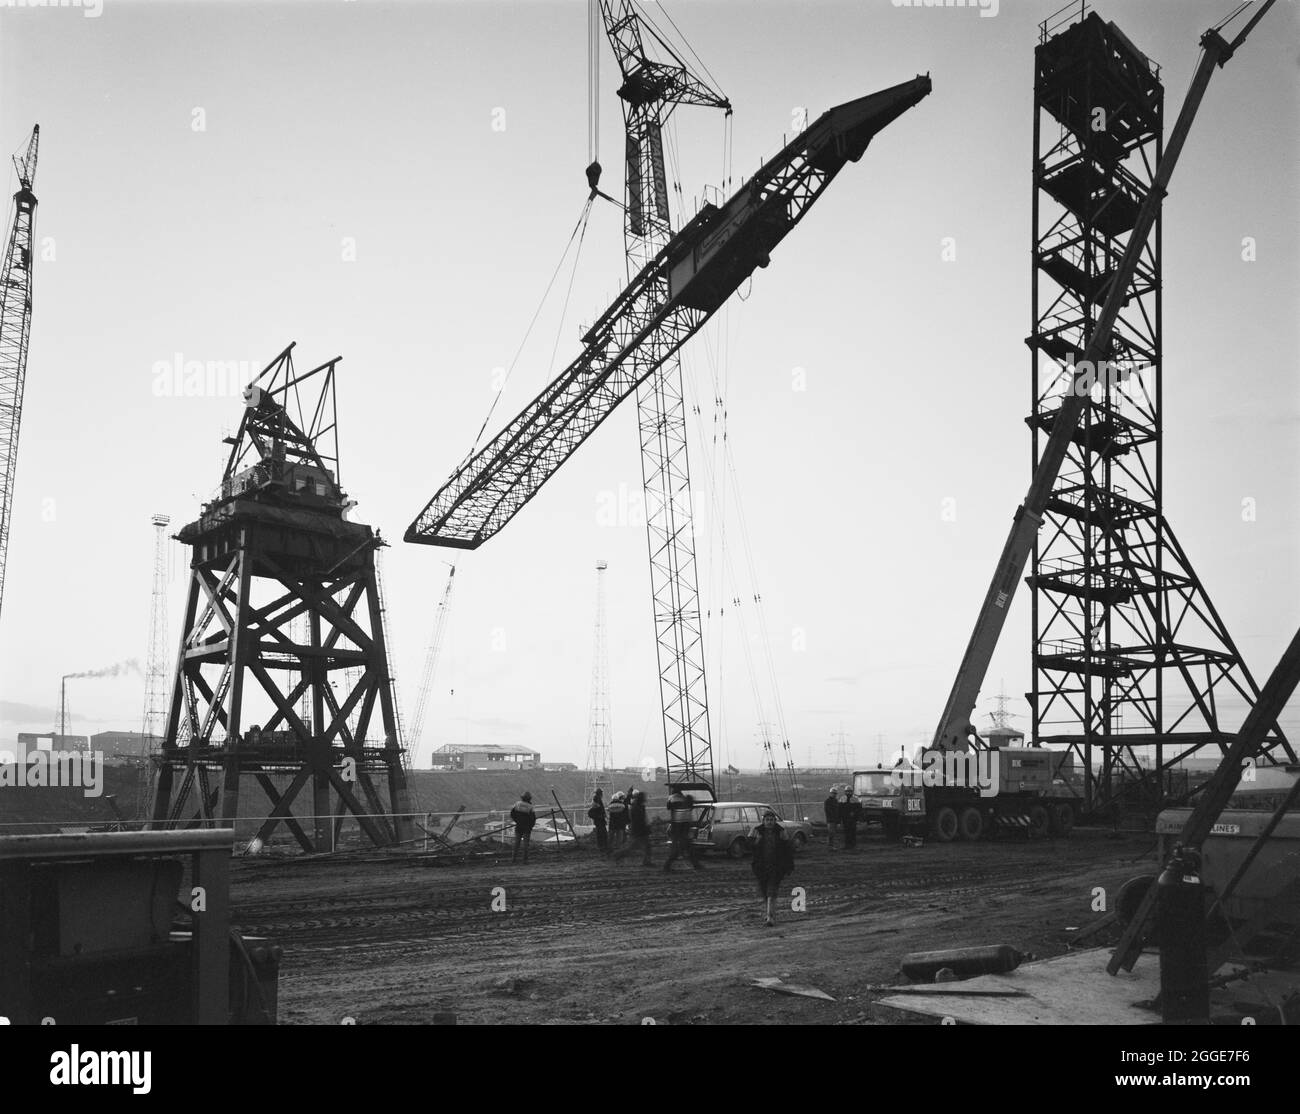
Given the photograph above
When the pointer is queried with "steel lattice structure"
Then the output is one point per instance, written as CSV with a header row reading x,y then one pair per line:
x,y
1130,658
659,310
273,545
430,668
600,742
664,304
650,91
155,672
15,330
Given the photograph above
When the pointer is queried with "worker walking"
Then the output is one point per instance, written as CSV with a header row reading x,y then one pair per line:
x,y
618,820
596,814
832,807
681,828
773,860
524,817
638,824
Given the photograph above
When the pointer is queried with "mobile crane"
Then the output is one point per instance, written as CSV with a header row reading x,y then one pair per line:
x,y
955,731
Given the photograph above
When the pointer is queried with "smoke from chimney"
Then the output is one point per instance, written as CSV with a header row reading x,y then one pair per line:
x,y
121,669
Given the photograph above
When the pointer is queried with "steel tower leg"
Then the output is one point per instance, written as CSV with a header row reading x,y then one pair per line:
x,y
1131,661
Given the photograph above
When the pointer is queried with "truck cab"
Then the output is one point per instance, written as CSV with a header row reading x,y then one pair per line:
x,y
886,801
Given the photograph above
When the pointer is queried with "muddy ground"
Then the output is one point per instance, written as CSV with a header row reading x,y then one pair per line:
x,y
585,940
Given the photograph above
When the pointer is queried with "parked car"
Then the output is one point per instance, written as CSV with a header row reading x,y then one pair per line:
x,y
725,826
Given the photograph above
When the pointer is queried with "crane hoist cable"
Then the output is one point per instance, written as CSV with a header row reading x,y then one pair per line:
x,y
577,234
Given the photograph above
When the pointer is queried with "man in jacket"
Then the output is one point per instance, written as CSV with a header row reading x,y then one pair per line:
x,y
832,807
618,821
524,818
849,810
596,814
682,826
638,824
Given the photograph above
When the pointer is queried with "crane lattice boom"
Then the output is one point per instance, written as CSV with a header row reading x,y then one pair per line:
x,y
15,328
660,309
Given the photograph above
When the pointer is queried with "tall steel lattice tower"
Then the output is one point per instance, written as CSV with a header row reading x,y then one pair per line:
x,y
1131,662
15,328
600,733
276,543
651,89
155,673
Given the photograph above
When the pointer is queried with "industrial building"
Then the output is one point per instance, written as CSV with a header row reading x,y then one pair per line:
x,y
485,756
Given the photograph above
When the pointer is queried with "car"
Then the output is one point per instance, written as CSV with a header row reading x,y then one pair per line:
x,y
725,826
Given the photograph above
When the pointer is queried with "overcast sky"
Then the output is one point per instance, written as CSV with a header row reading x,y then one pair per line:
x,y
207,170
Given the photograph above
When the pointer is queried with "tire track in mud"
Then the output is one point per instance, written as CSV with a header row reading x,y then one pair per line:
x,y
388,915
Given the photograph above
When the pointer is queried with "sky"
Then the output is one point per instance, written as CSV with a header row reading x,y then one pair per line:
x,y
395,183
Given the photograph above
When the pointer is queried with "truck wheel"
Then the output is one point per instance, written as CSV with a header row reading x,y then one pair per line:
x,y
970,824
1040,821
1064,818
736,848
944,825
800,841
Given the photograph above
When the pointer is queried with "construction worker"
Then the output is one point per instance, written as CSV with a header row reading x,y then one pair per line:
x,y
638,824
832,807
596,814
618,820
681,828
849,811
524,817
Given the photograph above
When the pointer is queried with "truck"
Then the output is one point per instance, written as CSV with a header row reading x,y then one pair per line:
x,y
970,795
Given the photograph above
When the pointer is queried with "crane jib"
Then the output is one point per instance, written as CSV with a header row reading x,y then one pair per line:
x,y
668,300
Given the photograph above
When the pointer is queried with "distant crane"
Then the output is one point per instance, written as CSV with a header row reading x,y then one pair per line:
x,y
430,667
15,328
600,743
156,678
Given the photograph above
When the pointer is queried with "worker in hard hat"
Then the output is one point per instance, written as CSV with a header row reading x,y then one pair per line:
x,y
524,817
832,807
638,824
618,820
681,820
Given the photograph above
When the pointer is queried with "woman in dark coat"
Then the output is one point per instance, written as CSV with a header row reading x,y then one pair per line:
x,y
773,859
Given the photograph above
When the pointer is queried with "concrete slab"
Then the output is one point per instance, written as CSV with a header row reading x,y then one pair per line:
x,y
1071,989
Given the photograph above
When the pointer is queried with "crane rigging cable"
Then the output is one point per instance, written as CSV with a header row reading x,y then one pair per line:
x,y
595,35
578,233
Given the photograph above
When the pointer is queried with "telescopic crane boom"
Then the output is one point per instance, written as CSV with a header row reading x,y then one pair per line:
x,y
956,729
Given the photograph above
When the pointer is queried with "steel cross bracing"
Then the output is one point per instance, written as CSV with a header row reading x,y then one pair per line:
x,y
662,307
651,89
15,329
272,549
1112,199
1121,624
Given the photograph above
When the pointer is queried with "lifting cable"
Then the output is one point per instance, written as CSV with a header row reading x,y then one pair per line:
x,y
595,33
579,231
